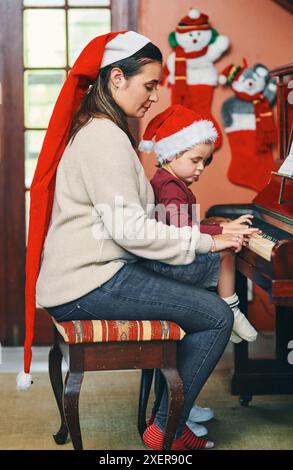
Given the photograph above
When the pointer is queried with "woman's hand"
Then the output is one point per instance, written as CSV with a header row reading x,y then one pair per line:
x,y
227,241
240,226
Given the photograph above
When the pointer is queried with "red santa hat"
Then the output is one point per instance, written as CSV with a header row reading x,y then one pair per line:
x,y
176,130
194,20
231,73
100,52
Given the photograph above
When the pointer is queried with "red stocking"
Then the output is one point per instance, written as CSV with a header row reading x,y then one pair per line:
x,y
247,168
201,101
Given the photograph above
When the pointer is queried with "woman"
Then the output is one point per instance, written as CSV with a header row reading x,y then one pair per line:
x,y
102,223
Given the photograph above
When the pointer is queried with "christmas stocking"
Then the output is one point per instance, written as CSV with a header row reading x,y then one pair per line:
x,y
249,124
248,167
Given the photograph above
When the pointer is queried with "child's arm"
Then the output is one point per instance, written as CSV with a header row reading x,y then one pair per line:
x,y
241,225
211,229
212,225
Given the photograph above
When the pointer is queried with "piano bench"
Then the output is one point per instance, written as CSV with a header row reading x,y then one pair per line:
x,y
100,345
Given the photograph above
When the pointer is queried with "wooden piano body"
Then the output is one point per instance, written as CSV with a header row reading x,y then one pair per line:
x,y
268,262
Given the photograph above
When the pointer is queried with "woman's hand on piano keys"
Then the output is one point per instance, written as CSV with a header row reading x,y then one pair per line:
x,y
240,226
232,241
227,241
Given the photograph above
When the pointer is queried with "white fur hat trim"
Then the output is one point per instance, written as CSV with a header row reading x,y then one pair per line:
x,y
123,46
197,133
146,145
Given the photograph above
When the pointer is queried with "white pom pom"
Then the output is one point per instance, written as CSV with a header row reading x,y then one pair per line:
x,y
23,381
193,13
146,146
222,79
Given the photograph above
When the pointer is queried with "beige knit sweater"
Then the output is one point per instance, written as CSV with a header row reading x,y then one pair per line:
x,y
103,217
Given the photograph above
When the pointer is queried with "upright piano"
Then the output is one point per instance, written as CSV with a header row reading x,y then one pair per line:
x,y
268,262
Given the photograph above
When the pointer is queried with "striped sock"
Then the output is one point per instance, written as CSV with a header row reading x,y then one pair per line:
x,y
153,438
191,441
151,420
232,301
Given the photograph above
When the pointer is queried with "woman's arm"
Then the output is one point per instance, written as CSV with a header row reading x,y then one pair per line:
x,y
109,169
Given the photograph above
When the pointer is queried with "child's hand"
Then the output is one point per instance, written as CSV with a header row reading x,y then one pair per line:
x,y
240,226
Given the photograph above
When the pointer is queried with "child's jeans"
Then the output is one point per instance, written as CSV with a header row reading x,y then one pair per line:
x,y
203,272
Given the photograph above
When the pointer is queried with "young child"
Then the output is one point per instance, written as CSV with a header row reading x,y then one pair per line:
x,y
183,143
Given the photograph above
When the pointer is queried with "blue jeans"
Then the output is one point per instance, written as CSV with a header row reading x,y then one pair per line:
x,y
139,293
202,272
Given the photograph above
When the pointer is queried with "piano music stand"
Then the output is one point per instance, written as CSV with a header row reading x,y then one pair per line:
x,y
281,200
284,177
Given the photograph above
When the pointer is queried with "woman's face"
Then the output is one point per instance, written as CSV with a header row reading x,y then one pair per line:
x,y
135,95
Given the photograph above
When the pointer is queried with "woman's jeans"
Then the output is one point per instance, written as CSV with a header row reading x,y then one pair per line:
x,y
137,292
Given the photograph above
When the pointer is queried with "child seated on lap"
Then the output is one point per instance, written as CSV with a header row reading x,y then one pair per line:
x,y
183,143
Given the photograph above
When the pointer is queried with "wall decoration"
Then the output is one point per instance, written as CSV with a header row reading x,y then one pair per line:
x,y
249,123
189,70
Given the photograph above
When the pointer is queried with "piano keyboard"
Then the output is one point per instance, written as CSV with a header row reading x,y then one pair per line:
x,y
262,245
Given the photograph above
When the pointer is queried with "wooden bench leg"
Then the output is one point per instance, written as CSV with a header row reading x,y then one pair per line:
x,y
73,383
159,385
55,372
145,387
175,404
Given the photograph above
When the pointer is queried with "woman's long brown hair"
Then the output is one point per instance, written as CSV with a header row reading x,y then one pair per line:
x,y
98,102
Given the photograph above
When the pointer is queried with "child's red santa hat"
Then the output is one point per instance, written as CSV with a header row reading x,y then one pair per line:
x,y
194,20
100,52
176,130
231,73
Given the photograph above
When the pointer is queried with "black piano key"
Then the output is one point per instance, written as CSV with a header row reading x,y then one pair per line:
x,y
269,231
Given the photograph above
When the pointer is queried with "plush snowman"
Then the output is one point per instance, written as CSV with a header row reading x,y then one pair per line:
x,y
189,69
249,124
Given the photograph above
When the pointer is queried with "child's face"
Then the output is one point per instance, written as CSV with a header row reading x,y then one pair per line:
x,y
189,166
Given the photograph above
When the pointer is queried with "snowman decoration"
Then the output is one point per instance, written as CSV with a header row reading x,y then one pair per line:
x,y
249,124
189,69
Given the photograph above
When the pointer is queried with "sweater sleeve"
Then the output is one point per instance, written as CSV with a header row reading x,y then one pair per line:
x,y
108,164
212,229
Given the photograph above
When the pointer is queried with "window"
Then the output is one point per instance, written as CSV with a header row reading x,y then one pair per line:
x,y
54,33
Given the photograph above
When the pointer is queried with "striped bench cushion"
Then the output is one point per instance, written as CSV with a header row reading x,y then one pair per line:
x,y
94,331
